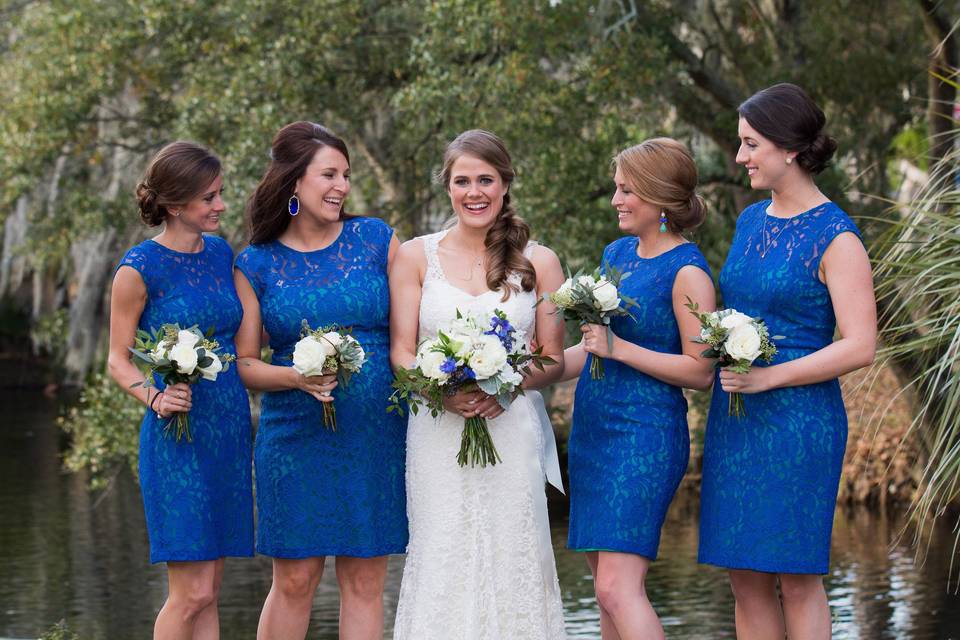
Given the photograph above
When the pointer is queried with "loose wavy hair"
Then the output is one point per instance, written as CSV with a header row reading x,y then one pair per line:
x,y
507,238
292,151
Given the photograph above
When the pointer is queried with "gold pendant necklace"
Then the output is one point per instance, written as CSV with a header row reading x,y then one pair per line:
x,y
767,245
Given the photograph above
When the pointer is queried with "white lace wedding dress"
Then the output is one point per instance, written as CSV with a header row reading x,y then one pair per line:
x,y
479,565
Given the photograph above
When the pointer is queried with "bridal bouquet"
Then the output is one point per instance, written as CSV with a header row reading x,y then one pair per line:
x,y
326,351
470,352
735,340
592,299
178,355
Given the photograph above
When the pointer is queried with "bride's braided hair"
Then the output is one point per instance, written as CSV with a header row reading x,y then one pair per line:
x,y
507,238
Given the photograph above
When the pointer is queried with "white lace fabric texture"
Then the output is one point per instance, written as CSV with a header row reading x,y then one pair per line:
x,y
475,566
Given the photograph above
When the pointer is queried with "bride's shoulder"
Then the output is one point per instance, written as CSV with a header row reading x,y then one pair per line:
x,y
543,258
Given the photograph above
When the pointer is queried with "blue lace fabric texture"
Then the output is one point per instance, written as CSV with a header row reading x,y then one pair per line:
x,y
322,492
770,478
198,496
629,445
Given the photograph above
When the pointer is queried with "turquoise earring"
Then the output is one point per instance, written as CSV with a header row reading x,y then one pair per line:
x,y
663,222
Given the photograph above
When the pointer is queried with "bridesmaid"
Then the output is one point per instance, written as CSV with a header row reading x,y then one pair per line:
x,y
629,445
198,494
770,478
320,492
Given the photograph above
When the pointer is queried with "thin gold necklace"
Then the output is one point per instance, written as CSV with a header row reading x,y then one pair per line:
x,y
763,232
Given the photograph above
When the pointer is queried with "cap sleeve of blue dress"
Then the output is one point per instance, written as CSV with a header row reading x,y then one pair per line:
x,y
835,222
251,263
137,257
376,234
693,256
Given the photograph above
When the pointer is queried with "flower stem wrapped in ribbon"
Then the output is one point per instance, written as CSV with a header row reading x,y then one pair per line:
x,y
325,351
735,340
178,355
592,298
469,352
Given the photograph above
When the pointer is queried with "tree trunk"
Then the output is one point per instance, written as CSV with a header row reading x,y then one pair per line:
x,y
92,258
941,92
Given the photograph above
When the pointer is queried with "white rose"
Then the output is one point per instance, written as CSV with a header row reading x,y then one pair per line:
x,y
489,357
462,344
160,351
586,281
309,354
188,338
185,356
465,325
509,375
429,363
332,339
743,343
210,371
606,296
734,320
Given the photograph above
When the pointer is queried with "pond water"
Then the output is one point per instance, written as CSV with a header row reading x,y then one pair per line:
x,y
66,553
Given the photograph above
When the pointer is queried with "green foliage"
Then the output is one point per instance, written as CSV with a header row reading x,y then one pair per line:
x,y
59,631
918,290
103,427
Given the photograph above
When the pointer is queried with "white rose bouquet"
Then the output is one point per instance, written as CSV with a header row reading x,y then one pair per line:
x,y
178,355
735,340
469,352
324,351
592,299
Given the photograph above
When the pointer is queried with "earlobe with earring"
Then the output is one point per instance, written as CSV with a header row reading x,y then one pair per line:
x,y
663,222
789,160
293,205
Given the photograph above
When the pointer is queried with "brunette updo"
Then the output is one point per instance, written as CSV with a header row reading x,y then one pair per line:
x,y
662,172
179,172
789,118
507,239
291,153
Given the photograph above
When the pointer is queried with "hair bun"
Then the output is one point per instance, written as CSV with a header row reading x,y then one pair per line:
x,y
147,204
816,157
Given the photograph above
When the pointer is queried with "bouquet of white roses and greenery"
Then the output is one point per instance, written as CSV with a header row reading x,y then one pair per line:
x,y
325,351
178,355
592,298
735,340
470,352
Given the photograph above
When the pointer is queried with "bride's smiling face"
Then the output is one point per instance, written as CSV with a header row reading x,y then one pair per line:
x,y
476,191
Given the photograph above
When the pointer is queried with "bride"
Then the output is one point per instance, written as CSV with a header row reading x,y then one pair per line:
x,y
479,564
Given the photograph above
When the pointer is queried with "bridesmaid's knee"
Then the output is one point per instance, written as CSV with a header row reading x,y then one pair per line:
x,y
362,579
190,601
297,581
801,588
752,586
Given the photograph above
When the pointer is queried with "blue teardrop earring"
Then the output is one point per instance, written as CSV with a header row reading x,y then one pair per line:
x,y
663,222
293,205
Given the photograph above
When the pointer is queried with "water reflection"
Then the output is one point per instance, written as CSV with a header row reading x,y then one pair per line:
x,y
66,553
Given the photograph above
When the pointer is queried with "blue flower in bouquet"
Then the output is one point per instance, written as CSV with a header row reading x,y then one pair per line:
x,y
502,329
449,366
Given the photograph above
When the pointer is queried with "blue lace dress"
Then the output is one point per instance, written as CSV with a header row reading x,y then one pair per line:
x,y
198,496
629,446
770,478
322,492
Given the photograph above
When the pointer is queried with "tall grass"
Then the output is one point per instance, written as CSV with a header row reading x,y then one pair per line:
x,y
917,273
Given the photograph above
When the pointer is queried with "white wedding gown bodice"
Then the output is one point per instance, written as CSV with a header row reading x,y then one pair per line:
x,y
479,563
